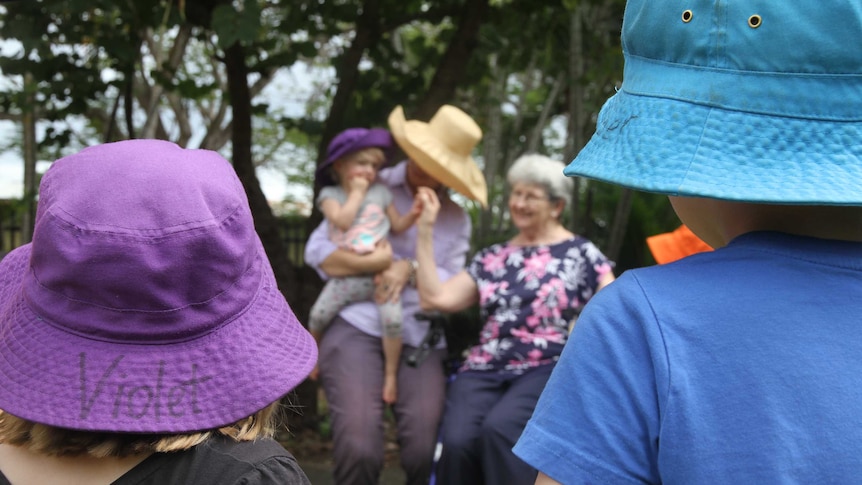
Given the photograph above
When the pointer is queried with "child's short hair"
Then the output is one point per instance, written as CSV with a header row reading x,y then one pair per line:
x,y
51,440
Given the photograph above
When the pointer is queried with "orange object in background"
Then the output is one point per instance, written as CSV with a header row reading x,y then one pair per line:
x,y
677,244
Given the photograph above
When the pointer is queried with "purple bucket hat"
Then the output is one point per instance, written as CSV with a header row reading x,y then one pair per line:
x,y
348,141
145,302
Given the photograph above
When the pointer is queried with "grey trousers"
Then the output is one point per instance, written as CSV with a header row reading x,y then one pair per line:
x,y
351,372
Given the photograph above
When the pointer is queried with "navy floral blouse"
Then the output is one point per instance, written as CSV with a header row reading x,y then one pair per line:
x,y
526,294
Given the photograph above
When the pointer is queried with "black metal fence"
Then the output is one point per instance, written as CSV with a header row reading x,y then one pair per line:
x,y
294,235
11,217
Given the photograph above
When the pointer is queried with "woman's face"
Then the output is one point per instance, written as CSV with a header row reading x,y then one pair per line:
x,y
531,207
417,177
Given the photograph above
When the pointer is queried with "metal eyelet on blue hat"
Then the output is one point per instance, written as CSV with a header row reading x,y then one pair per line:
x,y
686,16
754,21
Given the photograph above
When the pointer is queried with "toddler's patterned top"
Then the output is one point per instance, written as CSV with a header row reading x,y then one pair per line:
x,y
526,298
371,223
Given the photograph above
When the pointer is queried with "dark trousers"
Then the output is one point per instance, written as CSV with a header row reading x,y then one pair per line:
x,y
484,417
351,371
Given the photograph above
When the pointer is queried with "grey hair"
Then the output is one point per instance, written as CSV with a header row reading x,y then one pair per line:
x,y
546,172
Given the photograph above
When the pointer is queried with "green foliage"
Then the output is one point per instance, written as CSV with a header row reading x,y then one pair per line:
x,y
107,70
236,22
68,47
651,214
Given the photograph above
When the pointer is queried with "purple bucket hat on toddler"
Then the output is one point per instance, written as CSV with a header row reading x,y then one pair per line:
x,y
349,141
145,302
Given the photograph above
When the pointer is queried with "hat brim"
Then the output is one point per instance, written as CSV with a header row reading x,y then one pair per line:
x,y
374,137
62,379
680,148
459,173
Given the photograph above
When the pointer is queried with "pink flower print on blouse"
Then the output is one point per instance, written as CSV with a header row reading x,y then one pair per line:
x,y
479,357
491,331
494,262
490,289
536,265
534,320
534,355
540,336
602,269
550,299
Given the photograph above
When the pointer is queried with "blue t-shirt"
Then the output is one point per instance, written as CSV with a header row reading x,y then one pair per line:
x,y
742,365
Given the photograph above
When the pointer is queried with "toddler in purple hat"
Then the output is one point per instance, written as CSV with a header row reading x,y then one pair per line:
x,y
360,213
142,334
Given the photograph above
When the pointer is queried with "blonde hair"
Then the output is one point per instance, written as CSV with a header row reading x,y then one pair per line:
x,y
372,154
50,440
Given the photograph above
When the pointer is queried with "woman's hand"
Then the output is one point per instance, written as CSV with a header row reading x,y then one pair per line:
x,y
430,206
389,282
381,255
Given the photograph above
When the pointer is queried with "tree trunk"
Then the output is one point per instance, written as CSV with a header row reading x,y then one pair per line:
x,y
29,131
454,62
576,109
618,227
367,33
266,224
492,141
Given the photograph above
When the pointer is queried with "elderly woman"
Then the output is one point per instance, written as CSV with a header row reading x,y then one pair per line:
x,y
527,289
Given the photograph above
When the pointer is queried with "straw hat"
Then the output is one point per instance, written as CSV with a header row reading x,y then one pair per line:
x,y
442,149
746,100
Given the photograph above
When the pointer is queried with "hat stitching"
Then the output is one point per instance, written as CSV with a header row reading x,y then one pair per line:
x,y
71,224
728,88
74,392
156,312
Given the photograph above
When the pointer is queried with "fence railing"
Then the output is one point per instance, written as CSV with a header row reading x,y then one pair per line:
x,y
11,216
293,234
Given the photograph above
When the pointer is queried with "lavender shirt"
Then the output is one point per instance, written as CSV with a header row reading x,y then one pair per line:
x,y
451,243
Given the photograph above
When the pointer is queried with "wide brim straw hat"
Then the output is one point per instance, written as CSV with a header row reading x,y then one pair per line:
x,y
349,141
753,100
145,302
442,148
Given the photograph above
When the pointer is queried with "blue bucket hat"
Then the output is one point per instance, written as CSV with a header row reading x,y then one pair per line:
x,y
753,100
